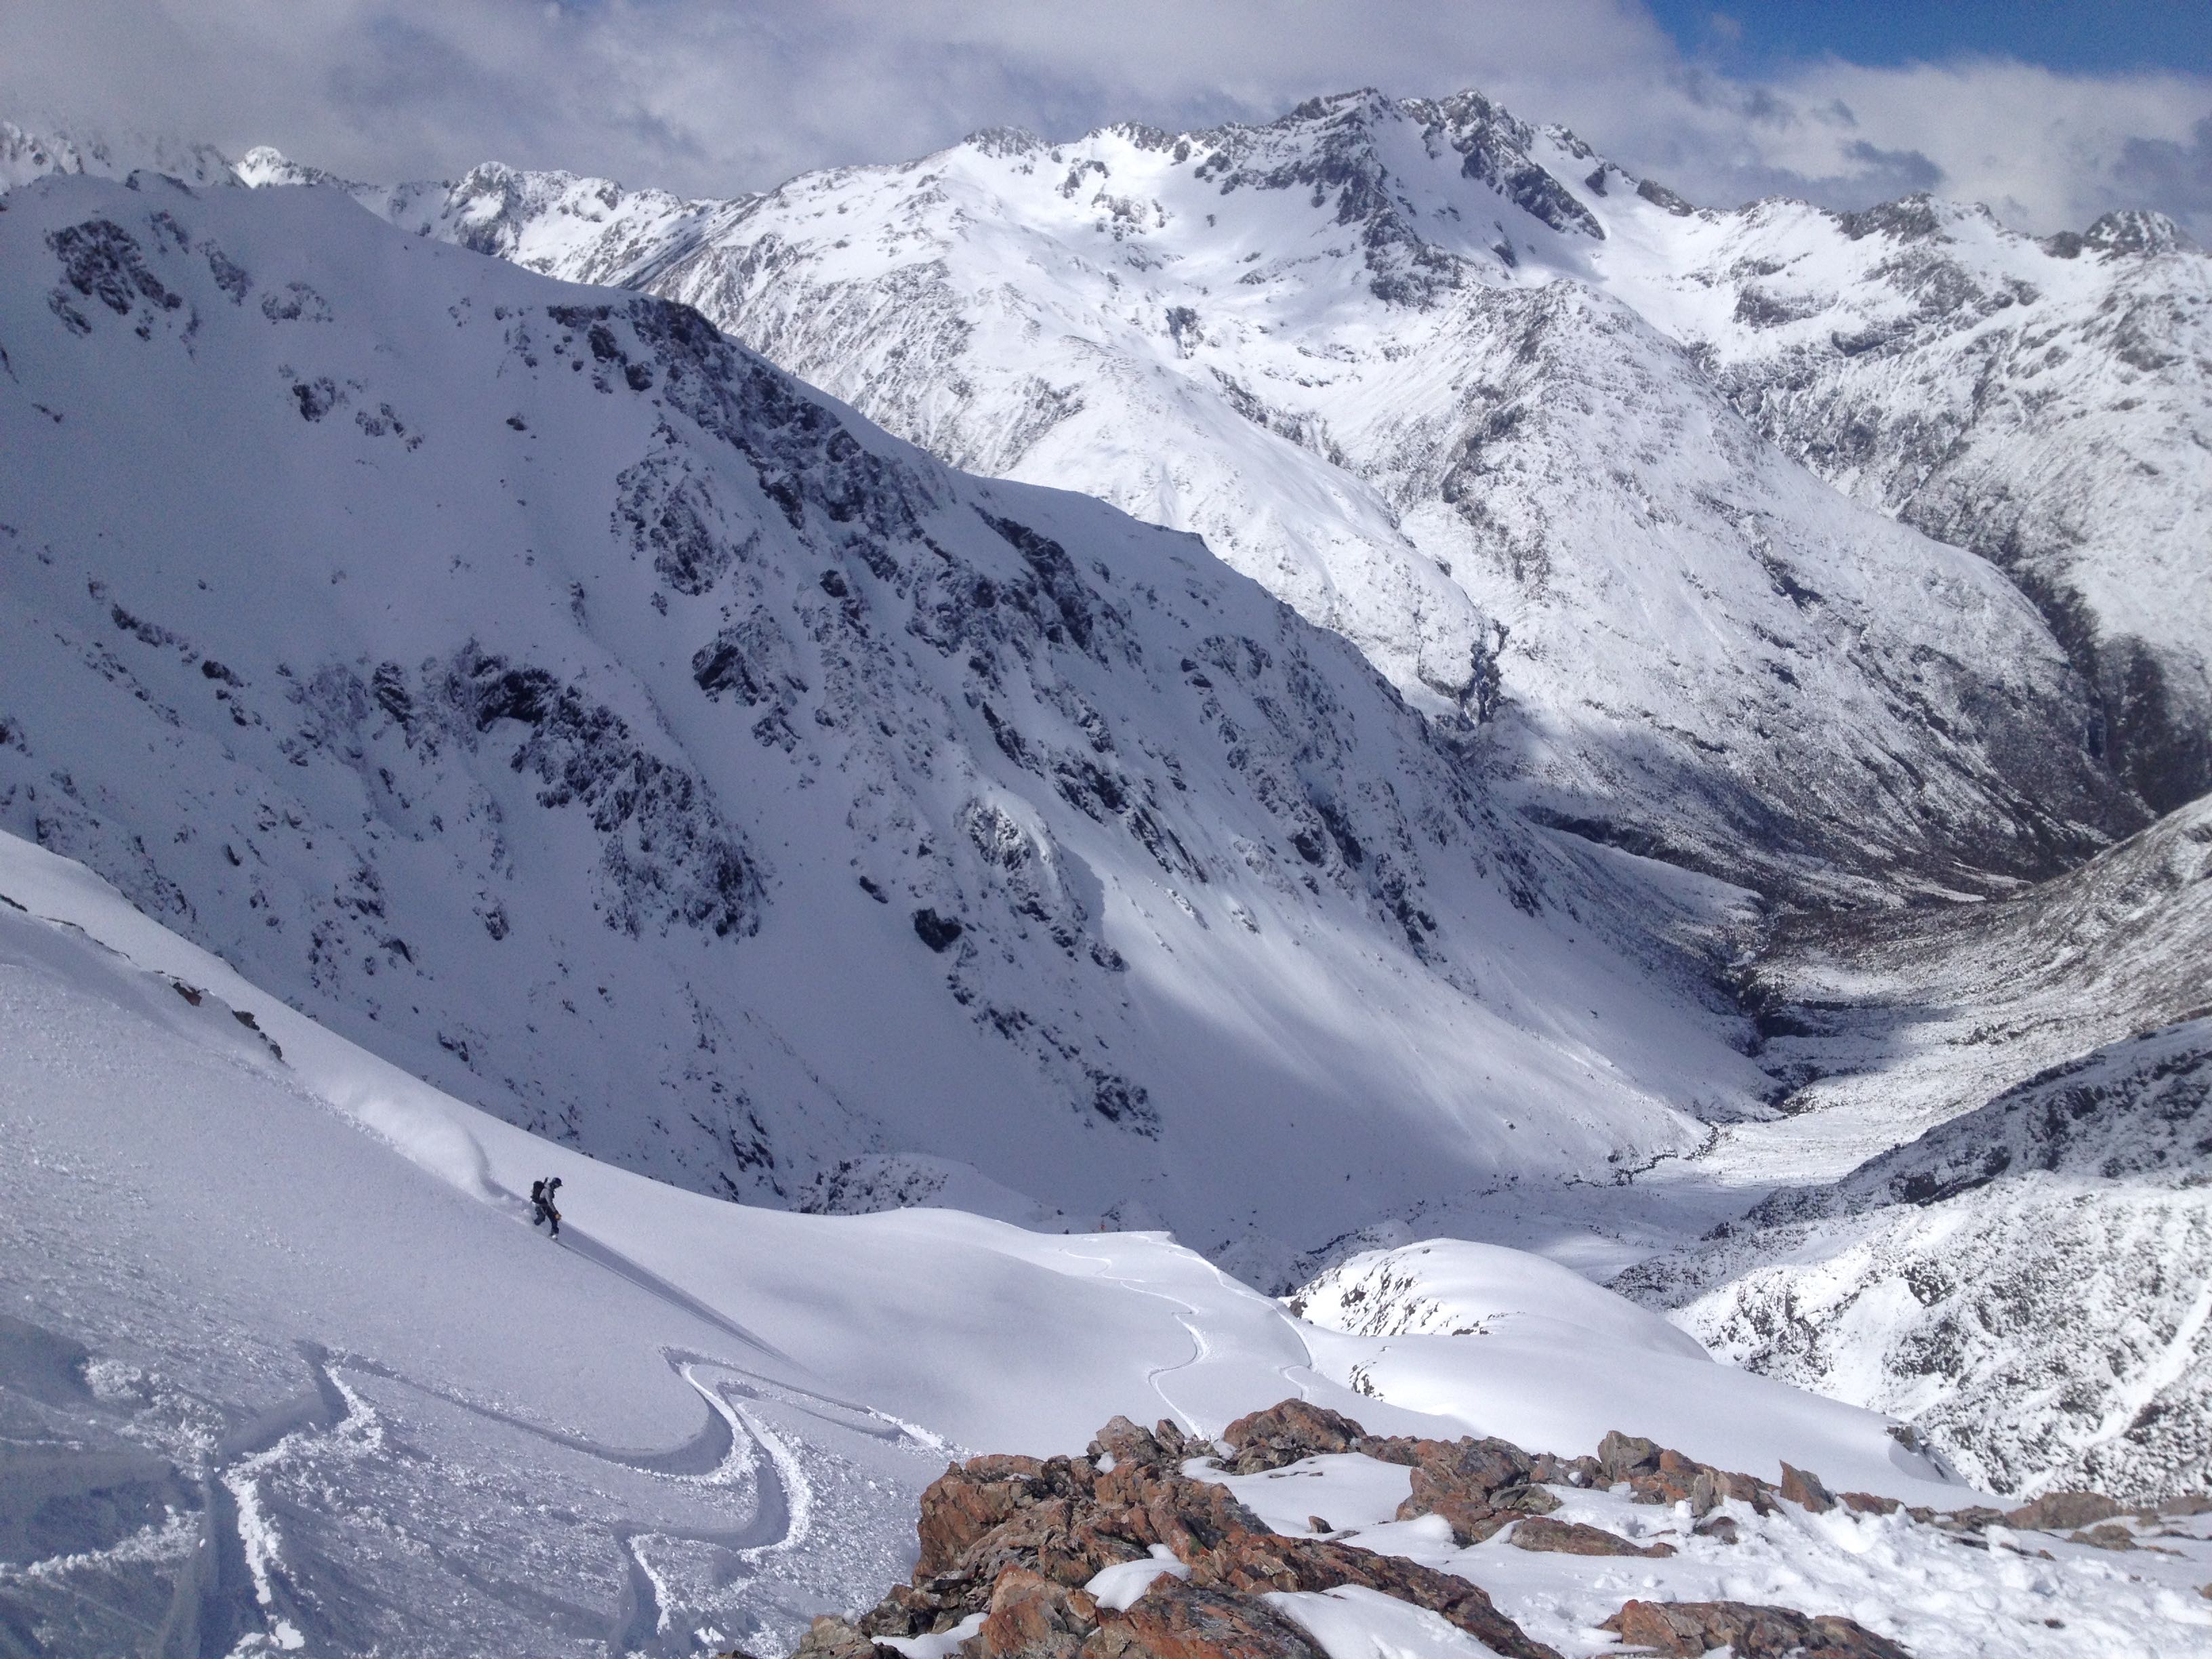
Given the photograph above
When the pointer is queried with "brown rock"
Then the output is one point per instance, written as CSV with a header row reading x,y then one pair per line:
x,y
1803,1487
1128,1443
2060,1512
1573,1538
1718,1526
1285,1434
1523,1500
1015,1538
1315,1523
1470,1522
1747,1489
1867,1503
2110,1536
1188,1516
1476,1485
1622,1457
1683,1629
1387,1448
2189,1503
1175,1620
1975,1517
1271,1562
1030,1617
831,1637
957,1510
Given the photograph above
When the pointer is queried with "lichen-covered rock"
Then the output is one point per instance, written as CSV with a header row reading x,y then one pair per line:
x,y
832,1638
1284,1434
1031,1617
1802,1486
1017,1538
1575,1538
2060,1512
1687,1629
1175,1620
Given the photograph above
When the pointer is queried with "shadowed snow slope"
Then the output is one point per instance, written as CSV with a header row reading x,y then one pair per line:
x,y
281,1362
1450,386
568,705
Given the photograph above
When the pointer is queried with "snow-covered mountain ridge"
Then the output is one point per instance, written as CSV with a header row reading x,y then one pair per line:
x,y
1399,362
2026,1283
1375,353
568,704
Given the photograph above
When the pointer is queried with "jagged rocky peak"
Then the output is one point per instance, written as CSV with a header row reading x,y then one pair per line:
x,y
1381,161
2125,230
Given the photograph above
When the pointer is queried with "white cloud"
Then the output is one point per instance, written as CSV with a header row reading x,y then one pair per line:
x,y
714,96
2045,150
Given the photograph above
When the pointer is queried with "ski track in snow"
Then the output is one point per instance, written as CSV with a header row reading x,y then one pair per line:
x,y
1187,1314
721,1454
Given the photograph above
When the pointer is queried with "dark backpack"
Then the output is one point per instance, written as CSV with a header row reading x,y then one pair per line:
x,y
537,1192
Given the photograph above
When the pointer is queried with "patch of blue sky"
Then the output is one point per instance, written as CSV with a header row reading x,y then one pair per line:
x,y
2072,36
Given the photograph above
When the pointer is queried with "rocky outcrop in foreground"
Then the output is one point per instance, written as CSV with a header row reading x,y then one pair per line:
x,y
1017,1541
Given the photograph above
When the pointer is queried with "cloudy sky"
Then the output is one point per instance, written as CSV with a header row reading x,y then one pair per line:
x,y
2051,111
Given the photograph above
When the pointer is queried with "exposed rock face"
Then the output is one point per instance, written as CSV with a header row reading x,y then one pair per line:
x,y
1283,1434
1690,1628
1577,1538
2065,1510
996,1532
1176,1620
1016,1540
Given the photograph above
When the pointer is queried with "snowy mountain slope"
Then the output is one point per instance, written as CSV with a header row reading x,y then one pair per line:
x,y
1451,1287
2025,1281
282,1366
2028,1284
1373,353
1993,1220
1883,1030
2048,404
562,702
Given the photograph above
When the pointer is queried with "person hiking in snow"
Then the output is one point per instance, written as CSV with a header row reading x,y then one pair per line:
x,y
541,1197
